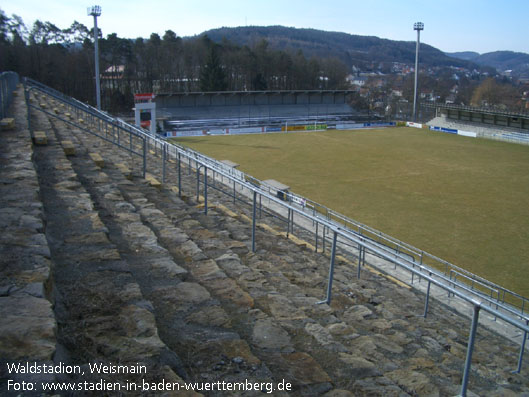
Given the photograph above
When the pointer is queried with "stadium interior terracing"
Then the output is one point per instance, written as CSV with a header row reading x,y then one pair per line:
x,y
115,252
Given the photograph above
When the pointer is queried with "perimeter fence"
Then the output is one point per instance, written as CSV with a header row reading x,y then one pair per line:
x,y
310,218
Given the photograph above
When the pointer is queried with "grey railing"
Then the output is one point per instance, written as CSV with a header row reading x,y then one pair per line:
x,y
480,293
489,110
8,84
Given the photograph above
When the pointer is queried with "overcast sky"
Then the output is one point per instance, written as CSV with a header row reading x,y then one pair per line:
x,y
450,25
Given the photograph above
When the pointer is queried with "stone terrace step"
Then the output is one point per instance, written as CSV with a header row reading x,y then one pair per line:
x,y
368,341
27,322
101,313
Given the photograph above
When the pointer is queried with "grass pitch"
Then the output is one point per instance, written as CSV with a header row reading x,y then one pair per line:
x,y
462,199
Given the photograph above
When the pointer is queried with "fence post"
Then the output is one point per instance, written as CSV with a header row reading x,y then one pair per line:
x,y
179,175
198,183
360,252
427,298
288,222
253,219
323,238
331,270
316,248
164,157
144,157
522,349
205,190
470,349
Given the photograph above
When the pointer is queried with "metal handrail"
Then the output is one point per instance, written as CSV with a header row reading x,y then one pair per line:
x,y
475,109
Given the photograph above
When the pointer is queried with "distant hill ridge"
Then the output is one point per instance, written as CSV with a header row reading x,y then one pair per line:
x,y
501,60
352,49
364,50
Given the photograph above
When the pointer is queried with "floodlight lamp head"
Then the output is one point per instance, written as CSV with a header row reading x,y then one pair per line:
x,y
418,26
94,11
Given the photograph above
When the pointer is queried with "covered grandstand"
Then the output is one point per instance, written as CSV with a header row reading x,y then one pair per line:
x,y
201,111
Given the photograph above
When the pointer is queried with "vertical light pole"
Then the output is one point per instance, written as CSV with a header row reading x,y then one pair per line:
x,y
95,11
418,26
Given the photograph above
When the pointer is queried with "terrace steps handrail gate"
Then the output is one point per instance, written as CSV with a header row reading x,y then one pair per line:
x,y
365,239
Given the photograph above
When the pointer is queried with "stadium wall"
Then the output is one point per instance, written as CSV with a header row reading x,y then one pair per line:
x,y
268,129
443,129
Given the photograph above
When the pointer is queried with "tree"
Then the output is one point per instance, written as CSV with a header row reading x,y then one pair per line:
x,y
212,76
492,93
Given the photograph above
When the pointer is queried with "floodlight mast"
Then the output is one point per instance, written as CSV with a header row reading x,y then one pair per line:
x,y
95,11
418,26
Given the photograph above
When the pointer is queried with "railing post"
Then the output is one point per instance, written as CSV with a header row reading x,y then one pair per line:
x,y
323,242
292,222
288,222
470,349
360,254
205,190
331,270
179,175
164,158
522,349
427,298
316,247
144,157
253,219
198,183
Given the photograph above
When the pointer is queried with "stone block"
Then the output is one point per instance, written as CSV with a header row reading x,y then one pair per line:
x,y
153,181
125,170
40,138
97,159
68,147
7,124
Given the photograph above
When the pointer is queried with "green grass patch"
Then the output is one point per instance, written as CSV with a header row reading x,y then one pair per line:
x,y
465,200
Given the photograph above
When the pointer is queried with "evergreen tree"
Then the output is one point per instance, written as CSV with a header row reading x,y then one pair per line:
x,y
212,76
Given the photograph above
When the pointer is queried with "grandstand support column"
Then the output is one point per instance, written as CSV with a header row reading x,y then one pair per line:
x,y
331,271
470,348
418,26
